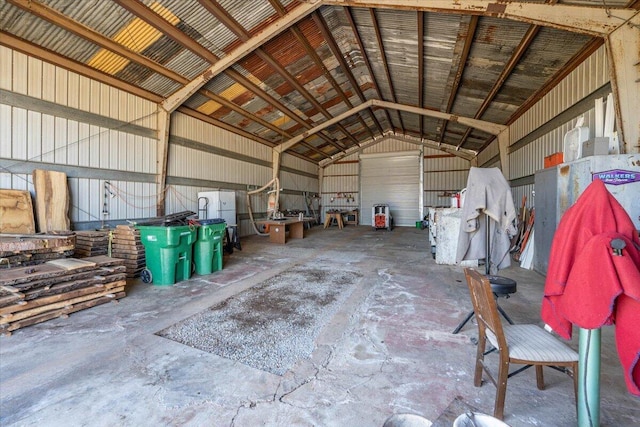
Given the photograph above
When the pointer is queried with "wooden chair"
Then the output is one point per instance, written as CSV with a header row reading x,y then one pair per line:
x,y
528,345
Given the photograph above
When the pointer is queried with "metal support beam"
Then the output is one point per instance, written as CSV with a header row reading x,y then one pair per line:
x,y
266,34
492,128
421,76
488,127
164,120
623,49
466,155
595,21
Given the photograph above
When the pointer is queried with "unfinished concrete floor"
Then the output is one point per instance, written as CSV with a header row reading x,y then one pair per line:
x,y
388,349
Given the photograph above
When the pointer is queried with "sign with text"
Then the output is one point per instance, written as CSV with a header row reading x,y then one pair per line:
x,y
617,176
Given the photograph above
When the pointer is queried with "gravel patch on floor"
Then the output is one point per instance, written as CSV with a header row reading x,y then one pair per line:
x,y
271,325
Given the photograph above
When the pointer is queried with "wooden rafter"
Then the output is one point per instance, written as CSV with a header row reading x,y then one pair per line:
x,y
522,47
152,18
385,64
365,58
318,61
56,18
492,128
277,6
333,46
563,72
594,21
234,26
466,48
301,89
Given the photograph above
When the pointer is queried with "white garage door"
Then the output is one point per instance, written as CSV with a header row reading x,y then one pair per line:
x,y
392,179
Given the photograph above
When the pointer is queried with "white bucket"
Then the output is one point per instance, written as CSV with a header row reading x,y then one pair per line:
x,y
475,419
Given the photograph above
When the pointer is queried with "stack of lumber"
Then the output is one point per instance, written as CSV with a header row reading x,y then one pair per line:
x,y
126,245
91,243
30,295
18,250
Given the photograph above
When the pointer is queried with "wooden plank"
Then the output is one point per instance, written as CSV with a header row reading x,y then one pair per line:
x,y
60,288
11,244
26,305
64,302
92,234
13,290
45,275
19,275
72,263
10,299
81,253
16,212
129,247
52,200
60,312
125,256
103,260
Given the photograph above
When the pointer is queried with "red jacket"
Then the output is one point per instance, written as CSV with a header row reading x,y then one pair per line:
x,y
587,284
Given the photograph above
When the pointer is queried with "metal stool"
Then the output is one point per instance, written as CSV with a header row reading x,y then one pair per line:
x,y
501,287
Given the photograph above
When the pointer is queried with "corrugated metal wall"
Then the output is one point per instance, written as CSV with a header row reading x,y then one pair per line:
x,y
547,113
589,76
341,184
51,118
34,136
442,174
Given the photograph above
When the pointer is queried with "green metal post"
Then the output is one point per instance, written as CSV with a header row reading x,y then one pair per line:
x,y
589,378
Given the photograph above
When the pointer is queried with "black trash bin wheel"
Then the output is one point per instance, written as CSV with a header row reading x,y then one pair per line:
x,y
146,275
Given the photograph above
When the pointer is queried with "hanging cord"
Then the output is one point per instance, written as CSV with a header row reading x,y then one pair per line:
x,y
78,141
607,10
118,194
274,181
180,197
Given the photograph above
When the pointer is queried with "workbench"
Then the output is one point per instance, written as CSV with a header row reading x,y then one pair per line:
x,y
278,229
329,216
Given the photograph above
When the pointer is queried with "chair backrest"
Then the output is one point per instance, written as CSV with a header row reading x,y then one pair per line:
x,y
485,308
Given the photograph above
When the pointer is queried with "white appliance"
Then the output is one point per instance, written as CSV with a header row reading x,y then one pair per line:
x,y
218,204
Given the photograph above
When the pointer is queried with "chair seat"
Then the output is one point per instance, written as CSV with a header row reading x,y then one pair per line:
x,y
531,342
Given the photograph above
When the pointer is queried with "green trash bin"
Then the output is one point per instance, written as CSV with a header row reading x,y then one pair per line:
x,y
168,251
207,250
